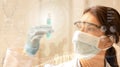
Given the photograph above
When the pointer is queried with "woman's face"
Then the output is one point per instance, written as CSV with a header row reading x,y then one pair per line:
x,y
89,24
90,27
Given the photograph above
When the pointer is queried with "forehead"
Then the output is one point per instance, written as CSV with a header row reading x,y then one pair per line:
x,y
88,17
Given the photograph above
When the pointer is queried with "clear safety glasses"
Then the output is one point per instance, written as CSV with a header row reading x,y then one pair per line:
x,y
87,27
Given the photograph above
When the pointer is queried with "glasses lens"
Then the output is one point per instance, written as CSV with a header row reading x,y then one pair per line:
x,y
89,27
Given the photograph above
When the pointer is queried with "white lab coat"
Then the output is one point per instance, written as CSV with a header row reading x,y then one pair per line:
x,y
72,63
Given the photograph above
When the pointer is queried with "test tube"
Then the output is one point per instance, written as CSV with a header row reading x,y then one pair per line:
x,y
48,23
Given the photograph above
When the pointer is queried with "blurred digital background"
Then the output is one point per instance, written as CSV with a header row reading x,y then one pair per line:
x,y
18,16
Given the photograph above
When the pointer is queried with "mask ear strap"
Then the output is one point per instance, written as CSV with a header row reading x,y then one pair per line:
x,y
106,48
102,38
112,38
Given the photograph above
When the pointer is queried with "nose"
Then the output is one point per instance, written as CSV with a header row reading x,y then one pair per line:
x,y
83,28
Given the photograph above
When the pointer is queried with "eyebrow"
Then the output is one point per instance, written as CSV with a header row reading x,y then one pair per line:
x,y
87,23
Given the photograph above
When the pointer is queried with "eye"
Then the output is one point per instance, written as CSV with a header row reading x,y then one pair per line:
x,y
91,28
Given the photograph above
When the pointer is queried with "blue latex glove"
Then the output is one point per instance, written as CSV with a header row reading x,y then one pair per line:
x,y
34,36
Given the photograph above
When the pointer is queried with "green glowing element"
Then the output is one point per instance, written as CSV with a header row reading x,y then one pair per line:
x,y
48,35
48,23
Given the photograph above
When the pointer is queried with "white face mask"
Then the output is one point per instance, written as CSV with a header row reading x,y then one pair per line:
x,y
85,45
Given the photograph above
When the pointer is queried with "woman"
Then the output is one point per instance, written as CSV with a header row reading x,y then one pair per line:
x,y
97,30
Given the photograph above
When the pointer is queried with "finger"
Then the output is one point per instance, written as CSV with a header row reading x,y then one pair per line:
x,y
43,27
36,38
42,32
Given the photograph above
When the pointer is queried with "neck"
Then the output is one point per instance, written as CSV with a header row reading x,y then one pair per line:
x,y
97,60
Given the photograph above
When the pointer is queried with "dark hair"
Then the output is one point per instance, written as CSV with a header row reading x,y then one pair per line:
x,y
109,19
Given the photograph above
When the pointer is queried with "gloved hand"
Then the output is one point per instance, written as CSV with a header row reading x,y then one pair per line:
x,y
34,36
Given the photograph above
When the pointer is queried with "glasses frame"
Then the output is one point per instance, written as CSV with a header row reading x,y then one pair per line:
x,y
87,23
